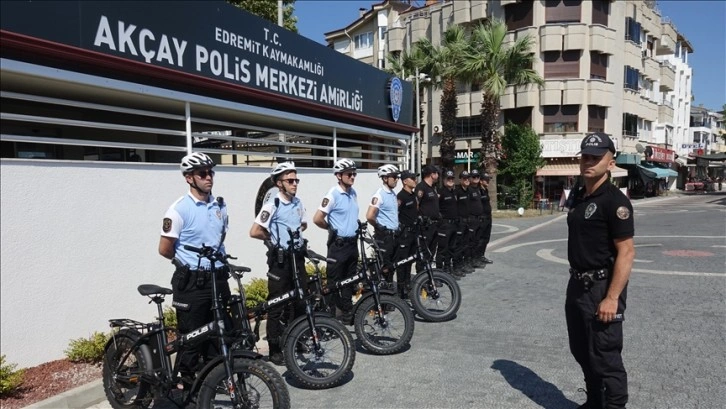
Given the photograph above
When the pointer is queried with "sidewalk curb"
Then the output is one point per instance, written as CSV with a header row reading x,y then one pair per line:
x,y
80,397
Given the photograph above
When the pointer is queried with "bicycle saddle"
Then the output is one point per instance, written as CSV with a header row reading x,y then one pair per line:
x,y
150,289
315,257
238,270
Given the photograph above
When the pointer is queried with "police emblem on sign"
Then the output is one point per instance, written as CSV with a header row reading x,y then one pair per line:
x,y
166,225
395,95
590,210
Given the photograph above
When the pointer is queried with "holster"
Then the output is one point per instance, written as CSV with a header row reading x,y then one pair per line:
x,y
180,279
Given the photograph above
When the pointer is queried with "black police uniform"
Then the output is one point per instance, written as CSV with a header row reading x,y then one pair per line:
x,y
447,228
428,207
475,224
485,231
406,239
593,222
462,230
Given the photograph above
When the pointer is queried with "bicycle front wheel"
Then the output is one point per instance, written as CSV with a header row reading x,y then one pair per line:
x,y
386,334
327,366
437,301
256,384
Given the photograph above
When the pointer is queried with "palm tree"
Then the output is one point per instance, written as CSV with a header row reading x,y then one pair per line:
x,y
443,63
494,65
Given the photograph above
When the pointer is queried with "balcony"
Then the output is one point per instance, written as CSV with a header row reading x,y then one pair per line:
x,y
574,92
667,76
633,55
551,35
665,113
631,100
602,39
651,68
600,93
668,36
649,19
514,35
466,12
395,37
551,93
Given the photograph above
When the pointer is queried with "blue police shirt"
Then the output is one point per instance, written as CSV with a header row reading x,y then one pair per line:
x,y
387,204
276,216
342,210
194,223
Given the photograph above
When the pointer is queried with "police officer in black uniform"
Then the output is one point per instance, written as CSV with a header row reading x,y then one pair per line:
x,y
428,205
600,250
485,231
476,210
406,237
449,224
464,231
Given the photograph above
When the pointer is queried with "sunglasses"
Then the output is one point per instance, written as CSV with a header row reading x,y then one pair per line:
x,y
204,173
291,181
351,174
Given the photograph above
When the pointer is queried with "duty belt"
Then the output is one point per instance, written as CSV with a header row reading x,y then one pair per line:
x,y
590,275
385,231
344,240
406,228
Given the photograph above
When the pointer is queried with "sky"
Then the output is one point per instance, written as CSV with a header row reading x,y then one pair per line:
x,y
703,23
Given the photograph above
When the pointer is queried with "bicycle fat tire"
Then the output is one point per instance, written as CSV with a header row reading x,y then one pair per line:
x,y
133,393
265,387
445,306
391,335
319,369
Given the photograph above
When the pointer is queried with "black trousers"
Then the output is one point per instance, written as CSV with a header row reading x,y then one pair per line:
x,y
445,242
280,281
193,305
386,241
342,263
485,233
597,346
405,248
429,233
474,226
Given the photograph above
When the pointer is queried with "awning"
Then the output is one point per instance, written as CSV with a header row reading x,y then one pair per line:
x,y
560,167
568,167
682,161
657,172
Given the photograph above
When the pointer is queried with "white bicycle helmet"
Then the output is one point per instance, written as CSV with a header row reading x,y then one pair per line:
x,y
387,170
342,165
194,161
281,168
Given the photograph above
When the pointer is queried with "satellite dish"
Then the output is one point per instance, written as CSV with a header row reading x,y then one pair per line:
x,y
520,211
639,148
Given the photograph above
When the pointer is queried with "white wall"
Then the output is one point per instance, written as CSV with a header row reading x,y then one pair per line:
x,y
79,237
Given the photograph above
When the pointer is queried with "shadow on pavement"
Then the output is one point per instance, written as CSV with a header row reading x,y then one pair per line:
x,y
532,386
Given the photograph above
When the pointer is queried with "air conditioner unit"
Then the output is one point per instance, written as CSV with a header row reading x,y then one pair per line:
x,y
644,53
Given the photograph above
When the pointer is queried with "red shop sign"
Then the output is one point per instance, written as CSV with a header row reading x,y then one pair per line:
x,y
656,154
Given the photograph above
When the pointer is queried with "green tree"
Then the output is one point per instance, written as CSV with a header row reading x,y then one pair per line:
x,y
521,157
443,64
267,9
495,65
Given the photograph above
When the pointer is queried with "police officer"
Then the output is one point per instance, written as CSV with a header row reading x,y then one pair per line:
x,y
428,205
382,214
338,214
600,250
465,228
481,182
447,234
406,237
271,225
195,219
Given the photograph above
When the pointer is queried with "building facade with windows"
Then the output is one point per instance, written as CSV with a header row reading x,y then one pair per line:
x,y
614,67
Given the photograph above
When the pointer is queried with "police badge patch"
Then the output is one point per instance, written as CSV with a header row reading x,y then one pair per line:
x,y
264,216
420,194
166,225
374,200
623,213
325,202
590,210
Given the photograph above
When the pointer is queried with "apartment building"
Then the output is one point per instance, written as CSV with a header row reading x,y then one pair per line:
x,y
705,133
616,67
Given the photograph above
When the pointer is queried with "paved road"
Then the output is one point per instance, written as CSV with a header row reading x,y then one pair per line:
x,y
507,348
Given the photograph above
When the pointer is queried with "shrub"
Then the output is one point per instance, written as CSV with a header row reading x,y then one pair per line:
x,y
10,379
87,349
255,292
170,316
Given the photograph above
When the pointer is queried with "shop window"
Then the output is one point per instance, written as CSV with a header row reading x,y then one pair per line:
x,y
631,78
562,64
596,118
562,11
518,15
560,119
600,11
598,66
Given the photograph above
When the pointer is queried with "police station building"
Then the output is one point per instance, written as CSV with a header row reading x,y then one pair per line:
x,y
99,102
